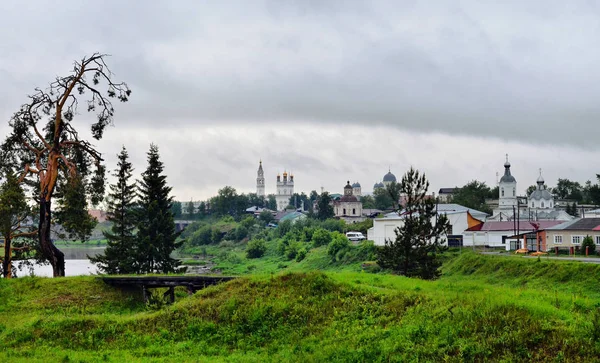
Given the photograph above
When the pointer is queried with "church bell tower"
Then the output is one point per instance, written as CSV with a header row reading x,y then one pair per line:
x,y
260,181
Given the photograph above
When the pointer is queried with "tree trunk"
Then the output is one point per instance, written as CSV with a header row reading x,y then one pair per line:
x,y
49,251
6,262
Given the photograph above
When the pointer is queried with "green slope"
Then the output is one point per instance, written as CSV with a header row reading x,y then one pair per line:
x,y
480,310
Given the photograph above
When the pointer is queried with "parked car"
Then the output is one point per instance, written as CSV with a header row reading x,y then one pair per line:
x,y
355,236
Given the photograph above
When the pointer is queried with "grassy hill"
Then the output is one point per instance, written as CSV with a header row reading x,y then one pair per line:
x,y
484,308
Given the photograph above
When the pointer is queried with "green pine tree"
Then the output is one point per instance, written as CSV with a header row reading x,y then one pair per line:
x,y
415,251
156,227
14,212
325,208
120,255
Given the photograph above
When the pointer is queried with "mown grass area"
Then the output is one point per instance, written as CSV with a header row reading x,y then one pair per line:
x,y
484,308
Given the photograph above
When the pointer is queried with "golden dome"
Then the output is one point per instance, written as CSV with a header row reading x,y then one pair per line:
x,y
285,173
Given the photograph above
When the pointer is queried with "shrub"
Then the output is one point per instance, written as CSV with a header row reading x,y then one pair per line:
x,y
215,236
301,254
588,242
283,228
321,237
292,249
307,234
201,237
240,233
338,246
248,222
256,248
334,225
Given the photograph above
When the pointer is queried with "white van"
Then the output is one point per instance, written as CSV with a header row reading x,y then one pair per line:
x,y
355,236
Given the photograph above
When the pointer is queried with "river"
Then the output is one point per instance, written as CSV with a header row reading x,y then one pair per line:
x,y
76,263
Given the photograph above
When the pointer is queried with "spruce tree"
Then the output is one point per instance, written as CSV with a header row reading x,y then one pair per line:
x,y
120,255
156,237
418,242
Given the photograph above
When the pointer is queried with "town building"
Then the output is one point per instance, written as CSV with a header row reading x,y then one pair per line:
x,y
445,194
356,190
389,178
540,198
260,180
459,217
507,194
348,207
503,234
285,190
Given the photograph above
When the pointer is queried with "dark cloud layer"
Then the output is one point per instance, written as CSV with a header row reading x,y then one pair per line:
x,y
326,88
510,70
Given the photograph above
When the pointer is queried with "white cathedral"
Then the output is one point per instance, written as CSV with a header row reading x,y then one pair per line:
x,y
285,187
539,204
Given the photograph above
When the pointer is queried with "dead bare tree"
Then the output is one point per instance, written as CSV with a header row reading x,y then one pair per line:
x,y
50,153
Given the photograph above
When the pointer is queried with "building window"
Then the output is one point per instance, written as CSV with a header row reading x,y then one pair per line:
x,y
344,211
598,240
558,239
542,204
550,204
502,191
532,205
353,211
513,192
576,240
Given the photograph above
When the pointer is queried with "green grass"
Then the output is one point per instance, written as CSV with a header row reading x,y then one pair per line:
x,y
76,244
484,308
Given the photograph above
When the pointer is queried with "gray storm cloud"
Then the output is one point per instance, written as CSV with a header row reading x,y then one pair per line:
x,y
512,71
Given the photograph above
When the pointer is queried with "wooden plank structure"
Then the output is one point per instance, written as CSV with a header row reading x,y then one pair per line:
x,y
192,283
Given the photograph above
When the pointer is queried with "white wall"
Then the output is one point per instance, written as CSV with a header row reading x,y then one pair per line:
x,y
384,228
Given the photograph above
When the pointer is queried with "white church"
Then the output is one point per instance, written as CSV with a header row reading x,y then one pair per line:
x,y
285,187
538,205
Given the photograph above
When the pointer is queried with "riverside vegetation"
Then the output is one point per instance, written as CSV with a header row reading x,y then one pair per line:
x,y
483,308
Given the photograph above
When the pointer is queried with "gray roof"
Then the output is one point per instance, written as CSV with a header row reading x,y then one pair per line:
x,y
445,208
507,177
356,185
580,224
389,177
539,194
449,208
446,190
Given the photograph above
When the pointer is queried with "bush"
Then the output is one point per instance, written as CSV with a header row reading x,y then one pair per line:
x,y
201,237
256,248
283,228
292,249
215,236
321,237
588,242
334,225
307,234
240,233
338,246
248,222
301,254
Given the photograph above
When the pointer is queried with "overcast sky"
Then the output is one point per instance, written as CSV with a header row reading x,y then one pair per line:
x,y
330,90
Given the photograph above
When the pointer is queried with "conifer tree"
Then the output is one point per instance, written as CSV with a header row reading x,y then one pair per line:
x,y
415,250
120,255
156,238
14,212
